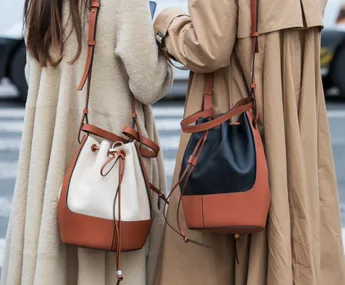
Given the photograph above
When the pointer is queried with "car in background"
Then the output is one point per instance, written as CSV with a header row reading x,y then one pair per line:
x,y
13,53
12,47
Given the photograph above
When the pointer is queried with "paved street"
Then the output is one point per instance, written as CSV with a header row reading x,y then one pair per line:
x,y
168,115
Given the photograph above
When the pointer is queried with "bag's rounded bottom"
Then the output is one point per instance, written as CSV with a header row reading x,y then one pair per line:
x,y
231,230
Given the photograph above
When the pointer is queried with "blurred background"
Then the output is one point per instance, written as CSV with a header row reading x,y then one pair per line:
x,y
168,112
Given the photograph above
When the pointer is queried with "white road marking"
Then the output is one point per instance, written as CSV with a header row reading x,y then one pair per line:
x,y
169,165
8,170
5,206
2,250
166,142
12,113
336,114
167,124
8,145
11,126
168,111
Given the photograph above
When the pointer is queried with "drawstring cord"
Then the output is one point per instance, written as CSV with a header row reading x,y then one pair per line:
x,y
184,178
118,156
118,223
236,237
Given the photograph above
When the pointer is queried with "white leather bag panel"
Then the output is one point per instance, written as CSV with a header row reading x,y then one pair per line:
x,y
92,194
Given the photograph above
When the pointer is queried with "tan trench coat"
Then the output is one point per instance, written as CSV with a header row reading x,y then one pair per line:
x,y
302,244
126,61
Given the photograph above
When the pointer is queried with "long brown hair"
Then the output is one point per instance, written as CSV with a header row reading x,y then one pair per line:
x,y
44,27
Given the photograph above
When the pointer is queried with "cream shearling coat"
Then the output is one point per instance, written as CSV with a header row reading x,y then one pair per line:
x,y
126,61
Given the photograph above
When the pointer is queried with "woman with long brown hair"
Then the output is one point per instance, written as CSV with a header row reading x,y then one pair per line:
x,y
126,62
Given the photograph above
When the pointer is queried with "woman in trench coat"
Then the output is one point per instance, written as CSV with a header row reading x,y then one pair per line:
x,y
127,61
302,243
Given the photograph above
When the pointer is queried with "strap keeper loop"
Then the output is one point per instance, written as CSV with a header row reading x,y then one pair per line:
x,y
255,34
134,115
91,43
253,85
192,160
95,4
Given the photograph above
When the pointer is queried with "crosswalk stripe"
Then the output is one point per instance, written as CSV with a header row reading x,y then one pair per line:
x,y
8,145
168,111
168,124
11,126
169,165
2,250
5,207
12,113
8,126
336,114
166,142
169,142
8,170
18,113
159,111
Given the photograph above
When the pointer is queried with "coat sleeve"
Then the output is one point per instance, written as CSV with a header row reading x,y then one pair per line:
x,y
149,75
203,41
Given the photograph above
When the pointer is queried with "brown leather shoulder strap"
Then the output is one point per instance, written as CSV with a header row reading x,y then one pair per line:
x,y
95,5
151,149
242,106
209,77
96,131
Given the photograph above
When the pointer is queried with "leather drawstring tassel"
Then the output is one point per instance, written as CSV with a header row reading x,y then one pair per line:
x,y
236,237
184,178
117,223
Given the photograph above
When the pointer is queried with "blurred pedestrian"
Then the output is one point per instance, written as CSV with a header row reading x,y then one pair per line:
x,y
302,243
127,61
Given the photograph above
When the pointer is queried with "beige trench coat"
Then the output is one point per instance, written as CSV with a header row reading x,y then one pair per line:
x,y
126,61
302,244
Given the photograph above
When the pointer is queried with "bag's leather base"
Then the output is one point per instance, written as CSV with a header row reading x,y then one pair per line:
x,y
96,233
93,232
231,230
225,213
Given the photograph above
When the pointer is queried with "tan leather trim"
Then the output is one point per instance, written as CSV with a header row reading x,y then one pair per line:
x,y
95,5
151,151
153,147
244,212
193,211
242,106
93,130
91,232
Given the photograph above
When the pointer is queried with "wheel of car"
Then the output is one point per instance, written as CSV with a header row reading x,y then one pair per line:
x,y
338,70
16,72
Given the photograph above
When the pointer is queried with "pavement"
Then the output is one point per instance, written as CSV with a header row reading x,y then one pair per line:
x,y
168,115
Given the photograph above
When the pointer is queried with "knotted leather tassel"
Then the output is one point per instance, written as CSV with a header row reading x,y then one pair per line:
x,y
236,237
184,177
